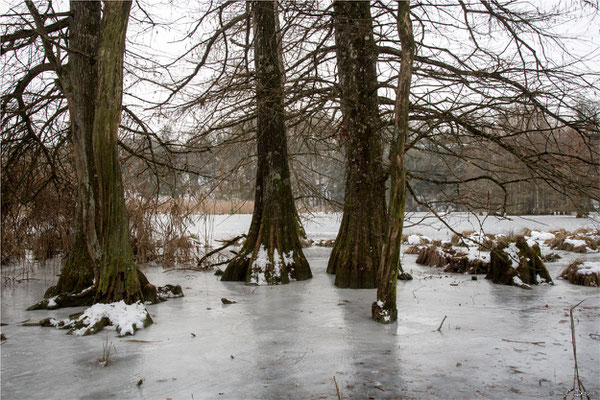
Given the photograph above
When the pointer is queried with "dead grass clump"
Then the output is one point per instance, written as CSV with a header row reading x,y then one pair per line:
x,y
143,244
550,257
431,256
564,244
488,242
501,241
414,249
159,231
458,240
324,242
564,240
577,275
462,265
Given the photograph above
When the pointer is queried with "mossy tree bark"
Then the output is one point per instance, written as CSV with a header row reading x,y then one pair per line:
x,y
385,309
79,82
93,83
272,253
356,254
116,274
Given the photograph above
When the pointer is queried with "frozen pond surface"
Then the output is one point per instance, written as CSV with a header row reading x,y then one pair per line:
x,y
325,226
289,341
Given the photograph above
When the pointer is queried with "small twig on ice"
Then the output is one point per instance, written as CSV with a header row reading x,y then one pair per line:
x,y
439,329
414,295
337,389
578,390
522,341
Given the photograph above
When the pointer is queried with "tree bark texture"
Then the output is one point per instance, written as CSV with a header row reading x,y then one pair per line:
x,y
79,83
385,309
272,253
355,256
116,275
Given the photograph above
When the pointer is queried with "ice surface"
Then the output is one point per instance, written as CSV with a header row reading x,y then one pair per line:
x,y
288,341
321,226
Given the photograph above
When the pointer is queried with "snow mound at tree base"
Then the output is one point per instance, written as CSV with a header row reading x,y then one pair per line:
x,y
125,318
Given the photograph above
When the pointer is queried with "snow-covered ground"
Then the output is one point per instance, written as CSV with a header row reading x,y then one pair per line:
x,y
290,341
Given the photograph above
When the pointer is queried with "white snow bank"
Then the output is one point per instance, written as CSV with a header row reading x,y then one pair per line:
x,y
541,236
575,242
414,239
513,253
475,254
589,267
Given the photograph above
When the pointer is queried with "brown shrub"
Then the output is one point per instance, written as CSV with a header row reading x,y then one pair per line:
x,y
324,242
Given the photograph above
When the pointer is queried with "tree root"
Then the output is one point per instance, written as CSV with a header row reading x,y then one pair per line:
x,y
152,295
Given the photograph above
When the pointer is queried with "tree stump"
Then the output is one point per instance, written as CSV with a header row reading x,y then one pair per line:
x,y
518,264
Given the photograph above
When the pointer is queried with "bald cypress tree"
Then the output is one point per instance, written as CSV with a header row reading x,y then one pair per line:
x,y
357,250
272,253
384,309
93,85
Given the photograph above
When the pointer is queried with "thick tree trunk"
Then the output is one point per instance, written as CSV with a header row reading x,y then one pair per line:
x,y
357,250
79,83
385,309
272,253
116,275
